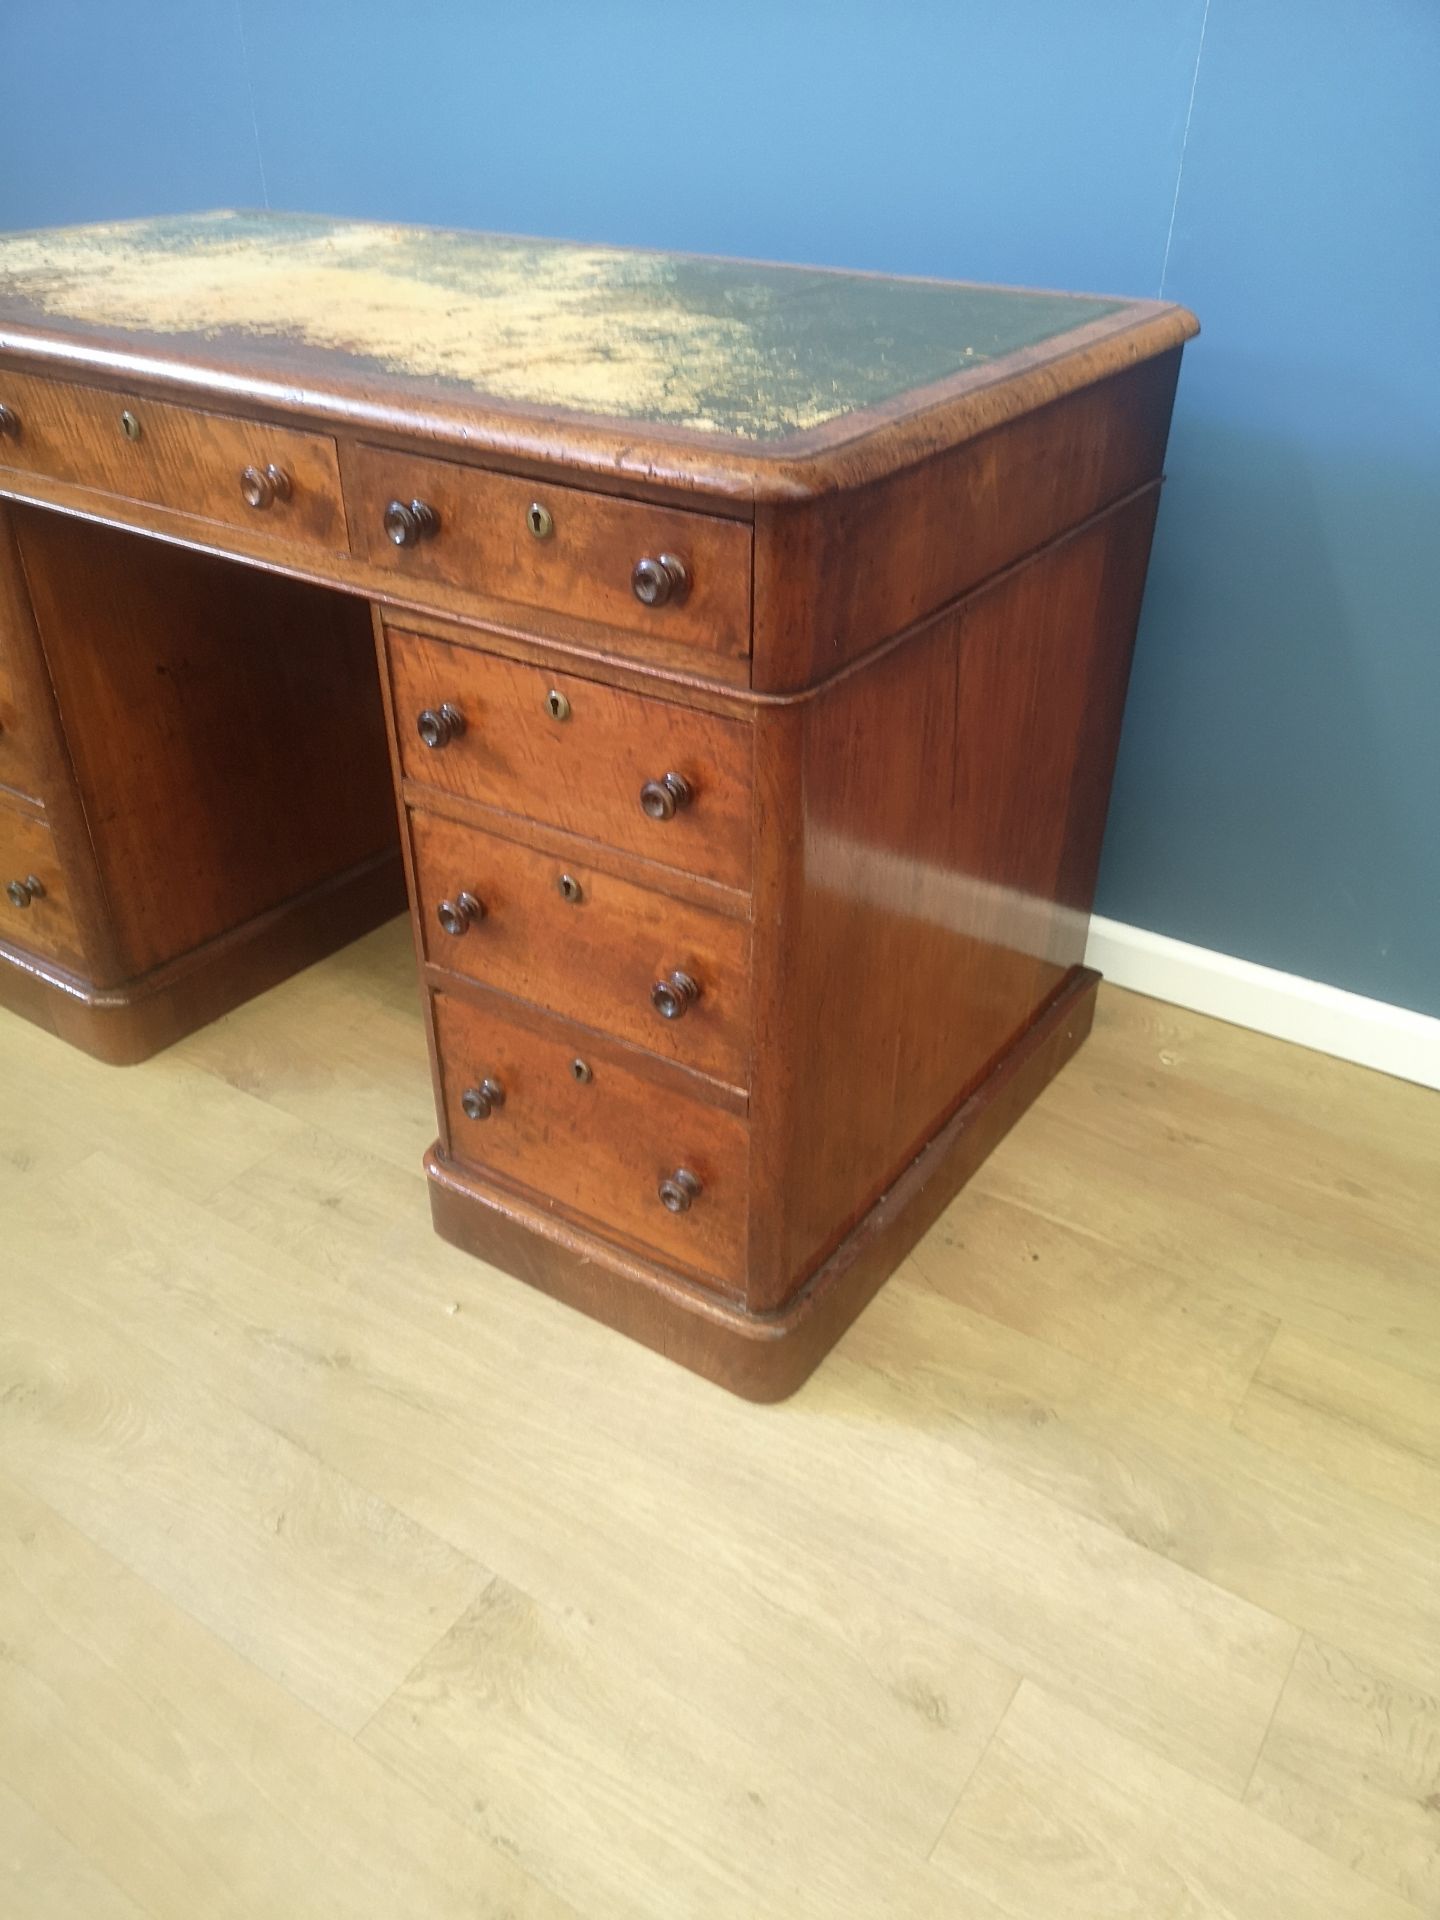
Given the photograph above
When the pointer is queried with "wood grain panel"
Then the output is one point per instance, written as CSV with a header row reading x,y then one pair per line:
x,y
224,724
583,568
598,1148
840,573
583,773
183,459
594,961
18,771
935,895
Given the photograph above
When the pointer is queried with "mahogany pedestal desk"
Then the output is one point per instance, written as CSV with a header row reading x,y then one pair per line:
x,y
752,647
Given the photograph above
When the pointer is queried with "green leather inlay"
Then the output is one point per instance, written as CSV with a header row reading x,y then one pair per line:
x,y
752,352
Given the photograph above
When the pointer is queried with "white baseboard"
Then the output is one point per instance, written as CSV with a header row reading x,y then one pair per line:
x,y
1370,1032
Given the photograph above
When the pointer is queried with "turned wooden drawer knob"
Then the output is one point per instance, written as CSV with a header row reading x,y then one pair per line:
x,y
438,726
9,424
261,487
406,525
478,1103
458,914
660,798
658,581
680,1192
21,892
673,997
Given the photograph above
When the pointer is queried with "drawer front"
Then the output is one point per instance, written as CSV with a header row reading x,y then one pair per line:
x,y
585,770
17,766
181,458
34,915
481,542
595,958
599,1146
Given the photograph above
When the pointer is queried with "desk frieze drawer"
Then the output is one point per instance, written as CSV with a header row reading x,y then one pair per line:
x,y
669,783
655,1166
35,908
665,975
663,573
270,480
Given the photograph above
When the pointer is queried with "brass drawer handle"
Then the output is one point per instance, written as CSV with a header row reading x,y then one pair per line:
x,y
679,1193
673,997
478,1103
407,526
261,487
21,892
659,580
438,726
456,915
659,799
9,424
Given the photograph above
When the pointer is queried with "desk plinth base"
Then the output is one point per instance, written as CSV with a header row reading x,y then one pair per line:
x,y
128,1023
762,1357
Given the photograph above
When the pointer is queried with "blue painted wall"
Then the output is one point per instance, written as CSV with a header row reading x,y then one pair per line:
x,y
1273,163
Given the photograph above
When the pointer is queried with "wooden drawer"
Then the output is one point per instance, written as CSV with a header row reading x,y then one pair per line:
x,y
600,1146
482,543
17,765
584,772
184,459
594,960
38,919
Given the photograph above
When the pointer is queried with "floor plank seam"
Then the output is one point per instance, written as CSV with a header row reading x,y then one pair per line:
x,y
357,1734
979,1762
1254,1373
1244,1796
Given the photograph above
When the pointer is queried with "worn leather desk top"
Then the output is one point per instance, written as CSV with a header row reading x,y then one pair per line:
x,y
469,333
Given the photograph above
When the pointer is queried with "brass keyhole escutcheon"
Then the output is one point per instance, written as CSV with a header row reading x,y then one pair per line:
x,y
556,705
540,520
580,1071
570,889
129,425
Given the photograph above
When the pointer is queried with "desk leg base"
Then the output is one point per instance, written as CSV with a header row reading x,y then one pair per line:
x,y
761,1356
126,1024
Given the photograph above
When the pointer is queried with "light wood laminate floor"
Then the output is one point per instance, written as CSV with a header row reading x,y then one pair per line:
x,y
1097,1573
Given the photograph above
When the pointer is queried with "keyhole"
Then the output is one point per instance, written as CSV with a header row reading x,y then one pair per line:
x,y
556,705
570,889
539,521
581,1070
